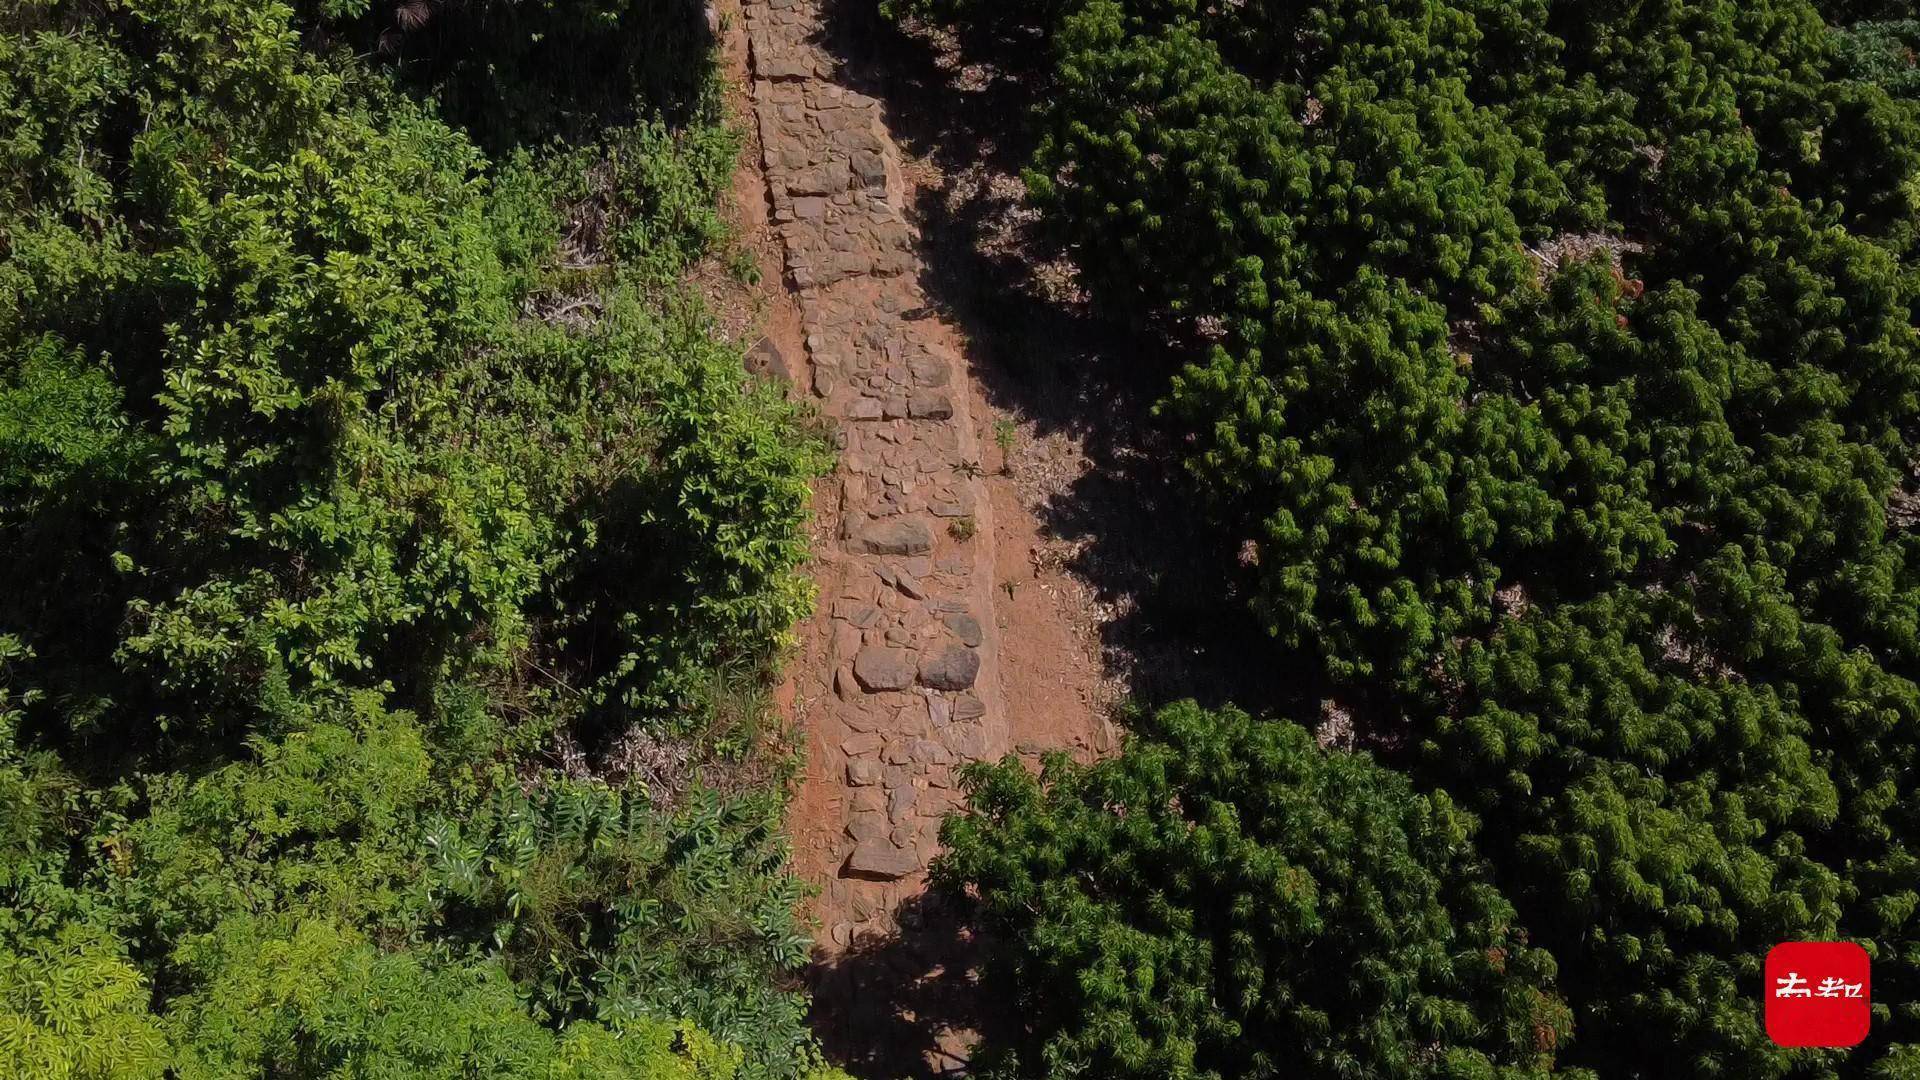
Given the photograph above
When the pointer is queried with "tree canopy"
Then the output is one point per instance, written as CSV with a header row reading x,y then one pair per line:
x,y
1559,374
327,525
1227,899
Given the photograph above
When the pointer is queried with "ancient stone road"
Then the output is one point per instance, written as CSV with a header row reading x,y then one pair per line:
x,y
911,646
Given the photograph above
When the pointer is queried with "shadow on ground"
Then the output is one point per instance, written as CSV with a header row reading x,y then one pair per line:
x,y
895,1006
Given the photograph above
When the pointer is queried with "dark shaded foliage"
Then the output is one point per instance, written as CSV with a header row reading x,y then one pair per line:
x,y
1564,386
1228,899
525,72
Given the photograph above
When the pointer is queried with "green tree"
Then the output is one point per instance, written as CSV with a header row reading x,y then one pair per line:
x,y
1559,367
1227,899
73,1008
324,520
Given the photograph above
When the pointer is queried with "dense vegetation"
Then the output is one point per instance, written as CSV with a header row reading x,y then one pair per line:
x,y
1306,913
348,473
1559,367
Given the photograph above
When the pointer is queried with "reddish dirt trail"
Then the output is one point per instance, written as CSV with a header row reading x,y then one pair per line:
x,y
940,638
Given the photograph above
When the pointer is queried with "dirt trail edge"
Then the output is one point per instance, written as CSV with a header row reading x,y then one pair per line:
x,y
898,682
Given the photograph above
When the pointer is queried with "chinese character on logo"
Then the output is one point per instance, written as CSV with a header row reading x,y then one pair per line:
x,y
1817,994
1832,987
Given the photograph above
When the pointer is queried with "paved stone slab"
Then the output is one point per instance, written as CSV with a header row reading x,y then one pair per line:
x,y
966,628
864,743
880,859
895,536
880,668
930,406
867,825
951,667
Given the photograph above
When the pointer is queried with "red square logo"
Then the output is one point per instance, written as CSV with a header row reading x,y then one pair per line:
x,y
1817,993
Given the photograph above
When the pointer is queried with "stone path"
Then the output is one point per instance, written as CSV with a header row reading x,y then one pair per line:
x,y
910,642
